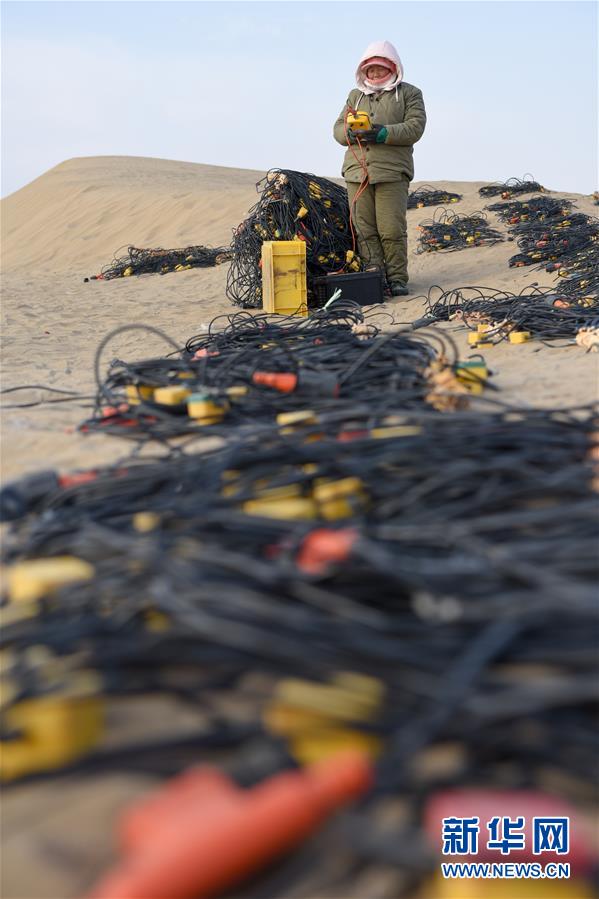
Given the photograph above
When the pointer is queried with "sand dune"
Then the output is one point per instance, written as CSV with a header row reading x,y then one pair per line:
x,y
70,222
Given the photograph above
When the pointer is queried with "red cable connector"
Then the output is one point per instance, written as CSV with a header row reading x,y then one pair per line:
x,y
202,834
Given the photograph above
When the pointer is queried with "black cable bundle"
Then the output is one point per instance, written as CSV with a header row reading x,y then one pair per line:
x,y
159,261
434,556
426,195
579,274
510,187
261,366
541,311
446,231
292,206
557,240
538,209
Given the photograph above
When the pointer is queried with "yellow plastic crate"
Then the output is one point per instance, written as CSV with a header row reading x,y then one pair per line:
x,y
284,285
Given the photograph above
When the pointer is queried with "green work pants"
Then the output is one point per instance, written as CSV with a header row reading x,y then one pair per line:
x,y
379,217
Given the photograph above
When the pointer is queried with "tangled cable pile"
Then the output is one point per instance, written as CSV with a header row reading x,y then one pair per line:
x,y
498,315
431,196
292,206
557,240
579,275
264,371
159,261
446,231
510,187
537,209
379,593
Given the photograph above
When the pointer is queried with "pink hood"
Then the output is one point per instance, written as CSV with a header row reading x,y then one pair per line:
x,y
387,51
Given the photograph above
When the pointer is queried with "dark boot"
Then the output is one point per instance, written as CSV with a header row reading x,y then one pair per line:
x,y
398,289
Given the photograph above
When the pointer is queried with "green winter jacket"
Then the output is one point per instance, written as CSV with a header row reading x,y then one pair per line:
x,y
401,111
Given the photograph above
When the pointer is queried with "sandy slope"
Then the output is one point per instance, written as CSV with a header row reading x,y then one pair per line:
x,y
67,224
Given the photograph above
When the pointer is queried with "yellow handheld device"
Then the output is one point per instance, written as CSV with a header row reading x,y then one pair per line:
x,y
358,121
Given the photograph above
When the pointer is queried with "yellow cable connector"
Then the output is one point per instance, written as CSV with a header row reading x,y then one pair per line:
x,y
287,509
156,621
473,374
338,499
440,887
171,396
138,392
395,431
36,578
143,522
342,699
289,421
286,491
519,336
308,749
54,731
318,720
206,410
237,391
230,486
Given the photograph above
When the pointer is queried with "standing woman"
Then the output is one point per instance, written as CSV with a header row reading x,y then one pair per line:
x,y
379,165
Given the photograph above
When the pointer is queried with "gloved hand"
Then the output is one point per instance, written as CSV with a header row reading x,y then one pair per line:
x,y
352,136
376,135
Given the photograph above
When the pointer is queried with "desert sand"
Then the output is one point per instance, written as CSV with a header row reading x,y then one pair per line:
x,y
65,226
72,220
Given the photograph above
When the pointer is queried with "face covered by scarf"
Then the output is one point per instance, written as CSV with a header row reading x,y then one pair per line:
x,y
381,53
383,81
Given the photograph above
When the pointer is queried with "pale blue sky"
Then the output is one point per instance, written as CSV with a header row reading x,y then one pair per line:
x,y
510,87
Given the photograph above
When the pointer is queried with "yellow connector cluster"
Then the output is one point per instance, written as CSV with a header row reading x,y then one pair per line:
x,y
352,261
36,578
314,190
318,720
328,499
